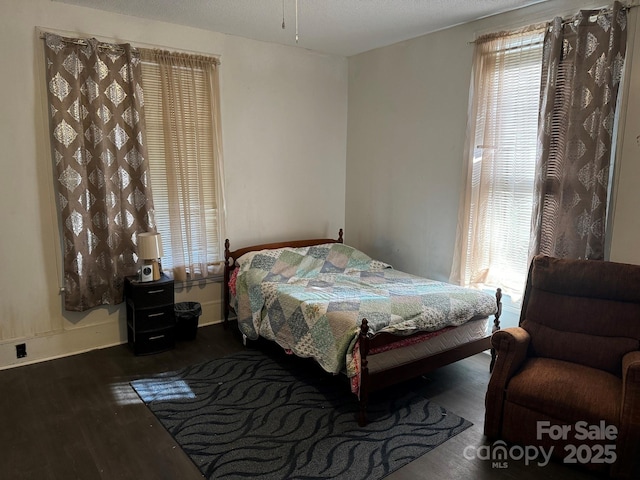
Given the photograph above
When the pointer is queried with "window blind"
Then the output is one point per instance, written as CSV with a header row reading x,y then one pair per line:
x,y
185,189
501,181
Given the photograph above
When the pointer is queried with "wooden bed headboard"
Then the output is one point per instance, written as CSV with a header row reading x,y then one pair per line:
x,y
230,257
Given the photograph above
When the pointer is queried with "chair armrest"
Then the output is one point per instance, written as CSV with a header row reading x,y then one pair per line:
x,y
631,366
628,442
511,345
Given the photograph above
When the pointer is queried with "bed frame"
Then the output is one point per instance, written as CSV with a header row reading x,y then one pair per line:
x,y
369,381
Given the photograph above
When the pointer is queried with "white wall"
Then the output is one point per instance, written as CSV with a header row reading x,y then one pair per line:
x,y
406,132
285,130
625,242
284,114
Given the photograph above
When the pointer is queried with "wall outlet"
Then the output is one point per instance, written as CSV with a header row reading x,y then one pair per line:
x,y
21,350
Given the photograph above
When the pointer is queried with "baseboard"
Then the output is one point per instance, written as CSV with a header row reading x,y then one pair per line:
x,y
78,340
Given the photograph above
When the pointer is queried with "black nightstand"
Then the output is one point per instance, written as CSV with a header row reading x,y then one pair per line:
x,y
151,319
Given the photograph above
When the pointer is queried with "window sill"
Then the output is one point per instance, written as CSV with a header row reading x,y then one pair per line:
x,y
198,282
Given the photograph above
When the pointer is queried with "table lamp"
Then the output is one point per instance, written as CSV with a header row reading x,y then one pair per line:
x,y
149,250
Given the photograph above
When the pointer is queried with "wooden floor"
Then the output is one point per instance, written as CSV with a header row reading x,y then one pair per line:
x,y
78,417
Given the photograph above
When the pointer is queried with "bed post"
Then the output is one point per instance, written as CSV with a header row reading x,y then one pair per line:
x,y
364,371
496,325
340,239
225,287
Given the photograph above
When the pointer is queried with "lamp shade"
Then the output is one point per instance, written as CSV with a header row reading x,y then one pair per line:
x,y
149,246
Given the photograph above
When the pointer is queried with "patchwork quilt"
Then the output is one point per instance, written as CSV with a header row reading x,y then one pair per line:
x,y
312,300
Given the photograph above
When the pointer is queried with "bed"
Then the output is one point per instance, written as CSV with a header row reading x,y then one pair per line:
x,y
352,314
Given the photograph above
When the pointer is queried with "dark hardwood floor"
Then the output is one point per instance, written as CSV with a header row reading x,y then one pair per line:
x,y
78,417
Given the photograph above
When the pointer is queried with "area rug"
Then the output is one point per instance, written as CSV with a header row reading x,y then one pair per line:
x,y
260,415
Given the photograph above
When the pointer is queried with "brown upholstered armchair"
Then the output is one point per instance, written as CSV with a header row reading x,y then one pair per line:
x,y
573,361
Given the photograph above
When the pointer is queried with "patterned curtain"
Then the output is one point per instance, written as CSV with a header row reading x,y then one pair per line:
x,y
582,68
97,132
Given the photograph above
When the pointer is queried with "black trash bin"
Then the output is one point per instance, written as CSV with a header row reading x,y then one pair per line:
x,y
187,315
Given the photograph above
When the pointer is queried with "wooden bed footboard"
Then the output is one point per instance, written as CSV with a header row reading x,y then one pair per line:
x,y
370,382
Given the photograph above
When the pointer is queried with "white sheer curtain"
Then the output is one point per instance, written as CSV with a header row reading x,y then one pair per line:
x,y
185,151
495,214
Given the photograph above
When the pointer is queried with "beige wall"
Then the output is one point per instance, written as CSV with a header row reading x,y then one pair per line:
x,y
406,132
284,114
625,242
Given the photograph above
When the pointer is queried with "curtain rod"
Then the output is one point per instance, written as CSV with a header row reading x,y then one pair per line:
x,y
602,11
83,42
114,47
70,37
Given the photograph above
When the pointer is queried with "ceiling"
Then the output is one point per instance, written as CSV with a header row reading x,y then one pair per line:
x,y
342,27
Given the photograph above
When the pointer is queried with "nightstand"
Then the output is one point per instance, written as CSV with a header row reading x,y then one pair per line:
x,y
151,319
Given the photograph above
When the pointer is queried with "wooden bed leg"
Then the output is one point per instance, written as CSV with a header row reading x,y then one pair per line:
x,y
364,372
496,325
362,414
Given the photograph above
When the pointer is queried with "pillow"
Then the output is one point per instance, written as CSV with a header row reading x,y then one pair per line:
x,y
604,353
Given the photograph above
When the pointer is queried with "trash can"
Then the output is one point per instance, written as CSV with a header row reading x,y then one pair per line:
x,y
187,315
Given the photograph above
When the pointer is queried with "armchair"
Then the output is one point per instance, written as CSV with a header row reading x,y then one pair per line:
x,y
569,375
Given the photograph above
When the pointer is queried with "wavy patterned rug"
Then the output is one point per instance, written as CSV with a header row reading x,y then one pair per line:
x,y
255,414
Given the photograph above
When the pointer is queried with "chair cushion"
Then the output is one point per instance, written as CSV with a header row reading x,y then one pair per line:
x,y
619,282
567,391
584,296
604,353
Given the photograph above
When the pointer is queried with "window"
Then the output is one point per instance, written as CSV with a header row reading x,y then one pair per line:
x,y
185,161
495,232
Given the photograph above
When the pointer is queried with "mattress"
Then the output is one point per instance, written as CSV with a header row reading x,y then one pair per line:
x,y
451,338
